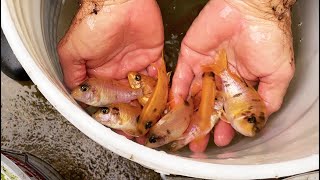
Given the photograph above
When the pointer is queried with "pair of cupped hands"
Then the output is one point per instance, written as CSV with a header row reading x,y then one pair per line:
x,y
107,39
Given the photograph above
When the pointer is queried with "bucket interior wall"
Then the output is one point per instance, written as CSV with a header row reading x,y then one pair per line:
x,y
291,133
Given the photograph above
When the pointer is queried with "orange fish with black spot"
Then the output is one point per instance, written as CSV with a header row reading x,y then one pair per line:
x,y
119,116
146,83
205,117
153,109
243,106
171,126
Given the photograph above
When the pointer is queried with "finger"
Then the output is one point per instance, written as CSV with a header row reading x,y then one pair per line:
x,y
181,81
118,68
152,68
123,134
74,70
141,140
144,72
196,85
223,133
199,145
273,88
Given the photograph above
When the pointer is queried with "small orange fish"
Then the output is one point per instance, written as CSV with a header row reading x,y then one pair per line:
x,y
243,106
171,126
205,118
119,116
156,104
97,92
140,81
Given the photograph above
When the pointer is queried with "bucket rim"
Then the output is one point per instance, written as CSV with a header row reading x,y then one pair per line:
x,y
150,158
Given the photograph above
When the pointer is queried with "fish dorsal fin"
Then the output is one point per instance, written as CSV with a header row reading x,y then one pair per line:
x,y
220,64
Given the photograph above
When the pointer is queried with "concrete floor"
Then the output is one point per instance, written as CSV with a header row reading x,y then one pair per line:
x,y
29,123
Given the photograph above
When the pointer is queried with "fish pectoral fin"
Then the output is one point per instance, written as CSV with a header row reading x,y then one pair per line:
x,y
215,117
223,117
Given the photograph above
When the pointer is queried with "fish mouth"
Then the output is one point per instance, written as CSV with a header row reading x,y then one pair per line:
x,y
154,141
131,75
75,94
96,116
242,127
245,133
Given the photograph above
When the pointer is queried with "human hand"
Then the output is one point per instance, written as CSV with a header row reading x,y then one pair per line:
x,y
110,40
258,41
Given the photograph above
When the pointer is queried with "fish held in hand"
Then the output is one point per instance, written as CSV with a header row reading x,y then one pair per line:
x,y
97,92
146,83
243,106
156,104
171,126
119,116
205,118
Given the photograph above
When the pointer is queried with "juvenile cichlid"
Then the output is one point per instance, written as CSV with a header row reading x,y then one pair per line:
x,y
243,106
171,126
157,102
205,118
96,92
119,116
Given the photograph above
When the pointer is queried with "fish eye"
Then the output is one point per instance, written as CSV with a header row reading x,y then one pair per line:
x,y
252,119
84,87
148,125
137,77
105,110
152,139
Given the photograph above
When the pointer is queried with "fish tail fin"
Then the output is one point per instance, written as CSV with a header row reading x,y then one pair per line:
x,y
219,65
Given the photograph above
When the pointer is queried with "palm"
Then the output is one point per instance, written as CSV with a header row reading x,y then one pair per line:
x,y
258,49
116,40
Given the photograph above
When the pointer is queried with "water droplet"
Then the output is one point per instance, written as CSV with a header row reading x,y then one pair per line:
x,y
300,24
300,40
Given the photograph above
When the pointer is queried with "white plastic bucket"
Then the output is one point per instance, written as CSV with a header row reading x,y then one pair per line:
x,y
287,146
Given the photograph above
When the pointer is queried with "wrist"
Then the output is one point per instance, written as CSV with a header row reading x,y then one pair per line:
x,y
277,10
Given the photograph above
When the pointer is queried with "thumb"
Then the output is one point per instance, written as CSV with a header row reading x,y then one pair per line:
x,y
74,69
272,88
181,80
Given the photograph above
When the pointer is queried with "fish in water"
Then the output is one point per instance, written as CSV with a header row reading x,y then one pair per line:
x,y
243,106
144,82
119,116
97,92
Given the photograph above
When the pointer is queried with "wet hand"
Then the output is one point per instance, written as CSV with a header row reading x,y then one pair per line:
x,y
258,42
108,41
